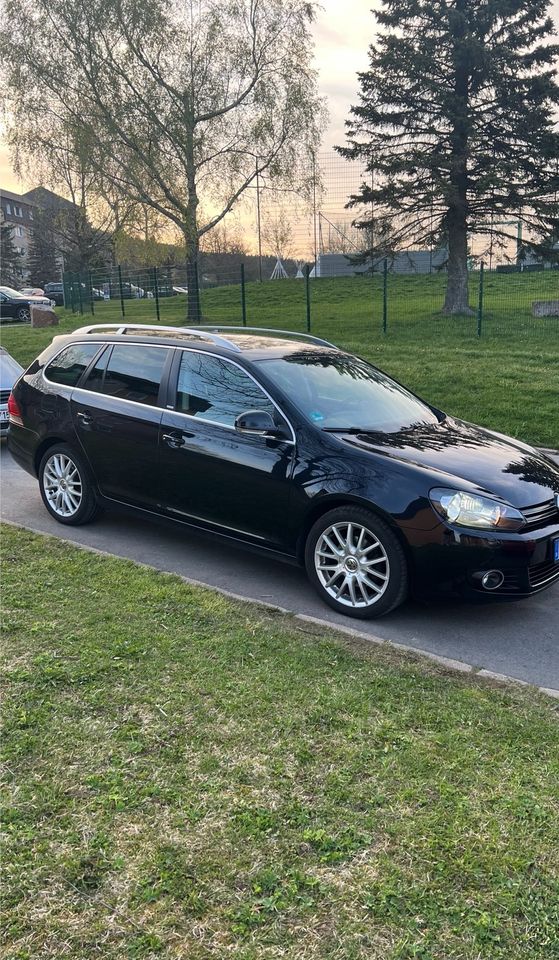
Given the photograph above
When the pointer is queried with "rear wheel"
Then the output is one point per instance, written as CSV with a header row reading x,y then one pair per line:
x,y
356,563
24,314
66,486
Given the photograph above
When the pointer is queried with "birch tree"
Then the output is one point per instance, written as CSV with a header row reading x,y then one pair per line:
x,y
179,103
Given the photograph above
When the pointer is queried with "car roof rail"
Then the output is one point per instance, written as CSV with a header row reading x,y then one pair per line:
x,y
267,331
198,332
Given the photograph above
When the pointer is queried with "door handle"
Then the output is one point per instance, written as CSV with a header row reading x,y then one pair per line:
x,y
176,439
85,418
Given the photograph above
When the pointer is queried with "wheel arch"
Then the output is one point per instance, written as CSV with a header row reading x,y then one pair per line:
x,y
324,506
42,449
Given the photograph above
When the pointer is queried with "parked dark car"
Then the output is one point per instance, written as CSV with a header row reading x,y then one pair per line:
x,y
17,306
56,292
10,371
291,446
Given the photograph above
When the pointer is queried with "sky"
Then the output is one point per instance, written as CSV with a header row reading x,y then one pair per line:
x,y
343,32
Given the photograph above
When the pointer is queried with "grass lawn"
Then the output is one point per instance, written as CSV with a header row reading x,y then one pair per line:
x,y
189,777
507,380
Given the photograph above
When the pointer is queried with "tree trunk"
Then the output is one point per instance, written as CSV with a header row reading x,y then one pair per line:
x,y
190,228
194,315
456,220
457,296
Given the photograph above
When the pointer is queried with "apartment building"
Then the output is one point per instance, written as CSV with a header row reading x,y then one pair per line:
x,y
18,211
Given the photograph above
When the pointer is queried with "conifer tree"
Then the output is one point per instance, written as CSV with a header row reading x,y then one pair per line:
x,y
41,259
456,124
10,258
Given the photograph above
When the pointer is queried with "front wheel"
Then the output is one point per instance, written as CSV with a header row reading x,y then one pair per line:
x,y
356,563
66,487
24,314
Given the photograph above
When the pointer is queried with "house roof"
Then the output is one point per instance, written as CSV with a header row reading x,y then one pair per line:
x,y
17,197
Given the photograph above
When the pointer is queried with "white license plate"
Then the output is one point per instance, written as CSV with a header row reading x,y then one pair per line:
x,y
4,416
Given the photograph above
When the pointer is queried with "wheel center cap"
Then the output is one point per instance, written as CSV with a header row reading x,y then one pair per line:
x,y
63,484
351,565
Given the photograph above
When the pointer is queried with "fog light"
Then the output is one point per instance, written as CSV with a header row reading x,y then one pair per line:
x,y
492,580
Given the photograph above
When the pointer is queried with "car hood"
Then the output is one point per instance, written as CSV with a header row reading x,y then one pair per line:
x,y
10,370
459,451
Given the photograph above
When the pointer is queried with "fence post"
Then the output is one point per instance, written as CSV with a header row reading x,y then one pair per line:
x,y
480,300
70,284
120,289
91,305
80,301
243,295
308,295
385,295
156,293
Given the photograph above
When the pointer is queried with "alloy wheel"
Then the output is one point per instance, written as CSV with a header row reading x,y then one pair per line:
x,y
352,565
62,484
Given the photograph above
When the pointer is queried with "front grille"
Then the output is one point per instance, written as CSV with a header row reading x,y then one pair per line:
x,y
511,583
4,396
541,515
543,573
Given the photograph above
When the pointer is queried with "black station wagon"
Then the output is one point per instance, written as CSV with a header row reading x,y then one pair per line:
x,y
283,442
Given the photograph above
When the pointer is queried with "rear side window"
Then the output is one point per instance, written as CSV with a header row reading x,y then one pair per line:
x,y
69,365
94,379
134,372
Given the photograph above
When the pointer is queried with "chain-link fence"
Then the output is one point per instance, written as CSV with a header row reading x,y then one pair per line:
x,y
394,300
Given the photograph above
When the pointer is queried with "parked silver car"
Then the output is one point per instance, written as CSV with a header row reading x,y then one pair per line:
x,y
10,371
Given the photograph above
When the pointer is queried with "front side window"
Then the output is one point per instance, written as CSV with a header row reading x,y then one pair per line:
x,y
69,365
213,389
134,372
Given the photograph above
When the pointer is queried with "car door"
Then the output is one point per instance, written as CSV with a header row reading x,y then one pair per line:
x,y
209,471
7,308
116,413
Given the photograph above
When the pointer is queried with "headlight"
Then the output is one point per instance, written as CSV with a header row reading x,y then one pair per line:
x,y
469,510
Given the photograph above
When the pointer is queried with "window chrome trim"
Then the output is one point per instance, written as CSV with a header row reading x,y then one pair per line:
x,y
102,343
136,403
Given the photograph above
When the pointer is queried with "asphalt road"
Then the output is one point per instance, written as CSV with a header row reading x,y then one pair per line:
x,y
519,639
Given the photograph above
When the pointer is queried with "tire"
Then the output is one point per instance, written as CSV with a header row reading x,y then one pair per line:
x,y
66,486
24,314
356,563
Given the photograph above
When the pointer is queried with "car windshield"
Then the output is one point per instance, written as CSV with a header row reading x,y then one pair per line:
x,y
10,292
337,392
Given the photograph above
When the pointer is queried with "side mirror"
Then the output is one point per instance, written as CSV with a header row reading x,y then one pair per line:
x,y
257,423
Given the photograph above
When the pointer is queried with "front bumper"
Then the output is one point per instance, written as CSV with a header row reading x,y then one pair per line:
x,y
452,562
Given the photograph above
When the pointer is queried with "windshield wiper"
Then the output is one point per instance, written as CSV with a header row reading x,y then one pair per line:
x,y
351,430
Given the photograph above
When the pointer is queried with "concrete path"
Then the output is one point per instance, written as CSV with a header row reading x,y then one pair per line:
x,y
520,639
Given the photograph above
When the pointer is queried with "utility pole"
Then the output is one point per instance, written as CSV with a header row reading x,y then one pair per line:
x,y
258,220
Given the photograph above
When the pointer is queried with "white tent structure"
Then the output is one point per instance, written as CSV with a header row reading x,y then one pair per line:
x,y
299,274
279,272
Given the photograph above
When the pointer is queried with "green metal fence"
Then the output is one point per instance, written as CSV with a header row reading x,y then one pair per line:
x,y
382,304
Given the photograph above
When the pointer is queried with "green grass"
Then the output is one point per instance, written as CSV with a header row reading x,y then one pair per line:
x,y
507,380
189,777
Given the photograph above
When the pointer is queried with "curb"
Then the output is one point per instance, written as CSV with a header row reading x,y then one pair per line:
x,y
457,665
